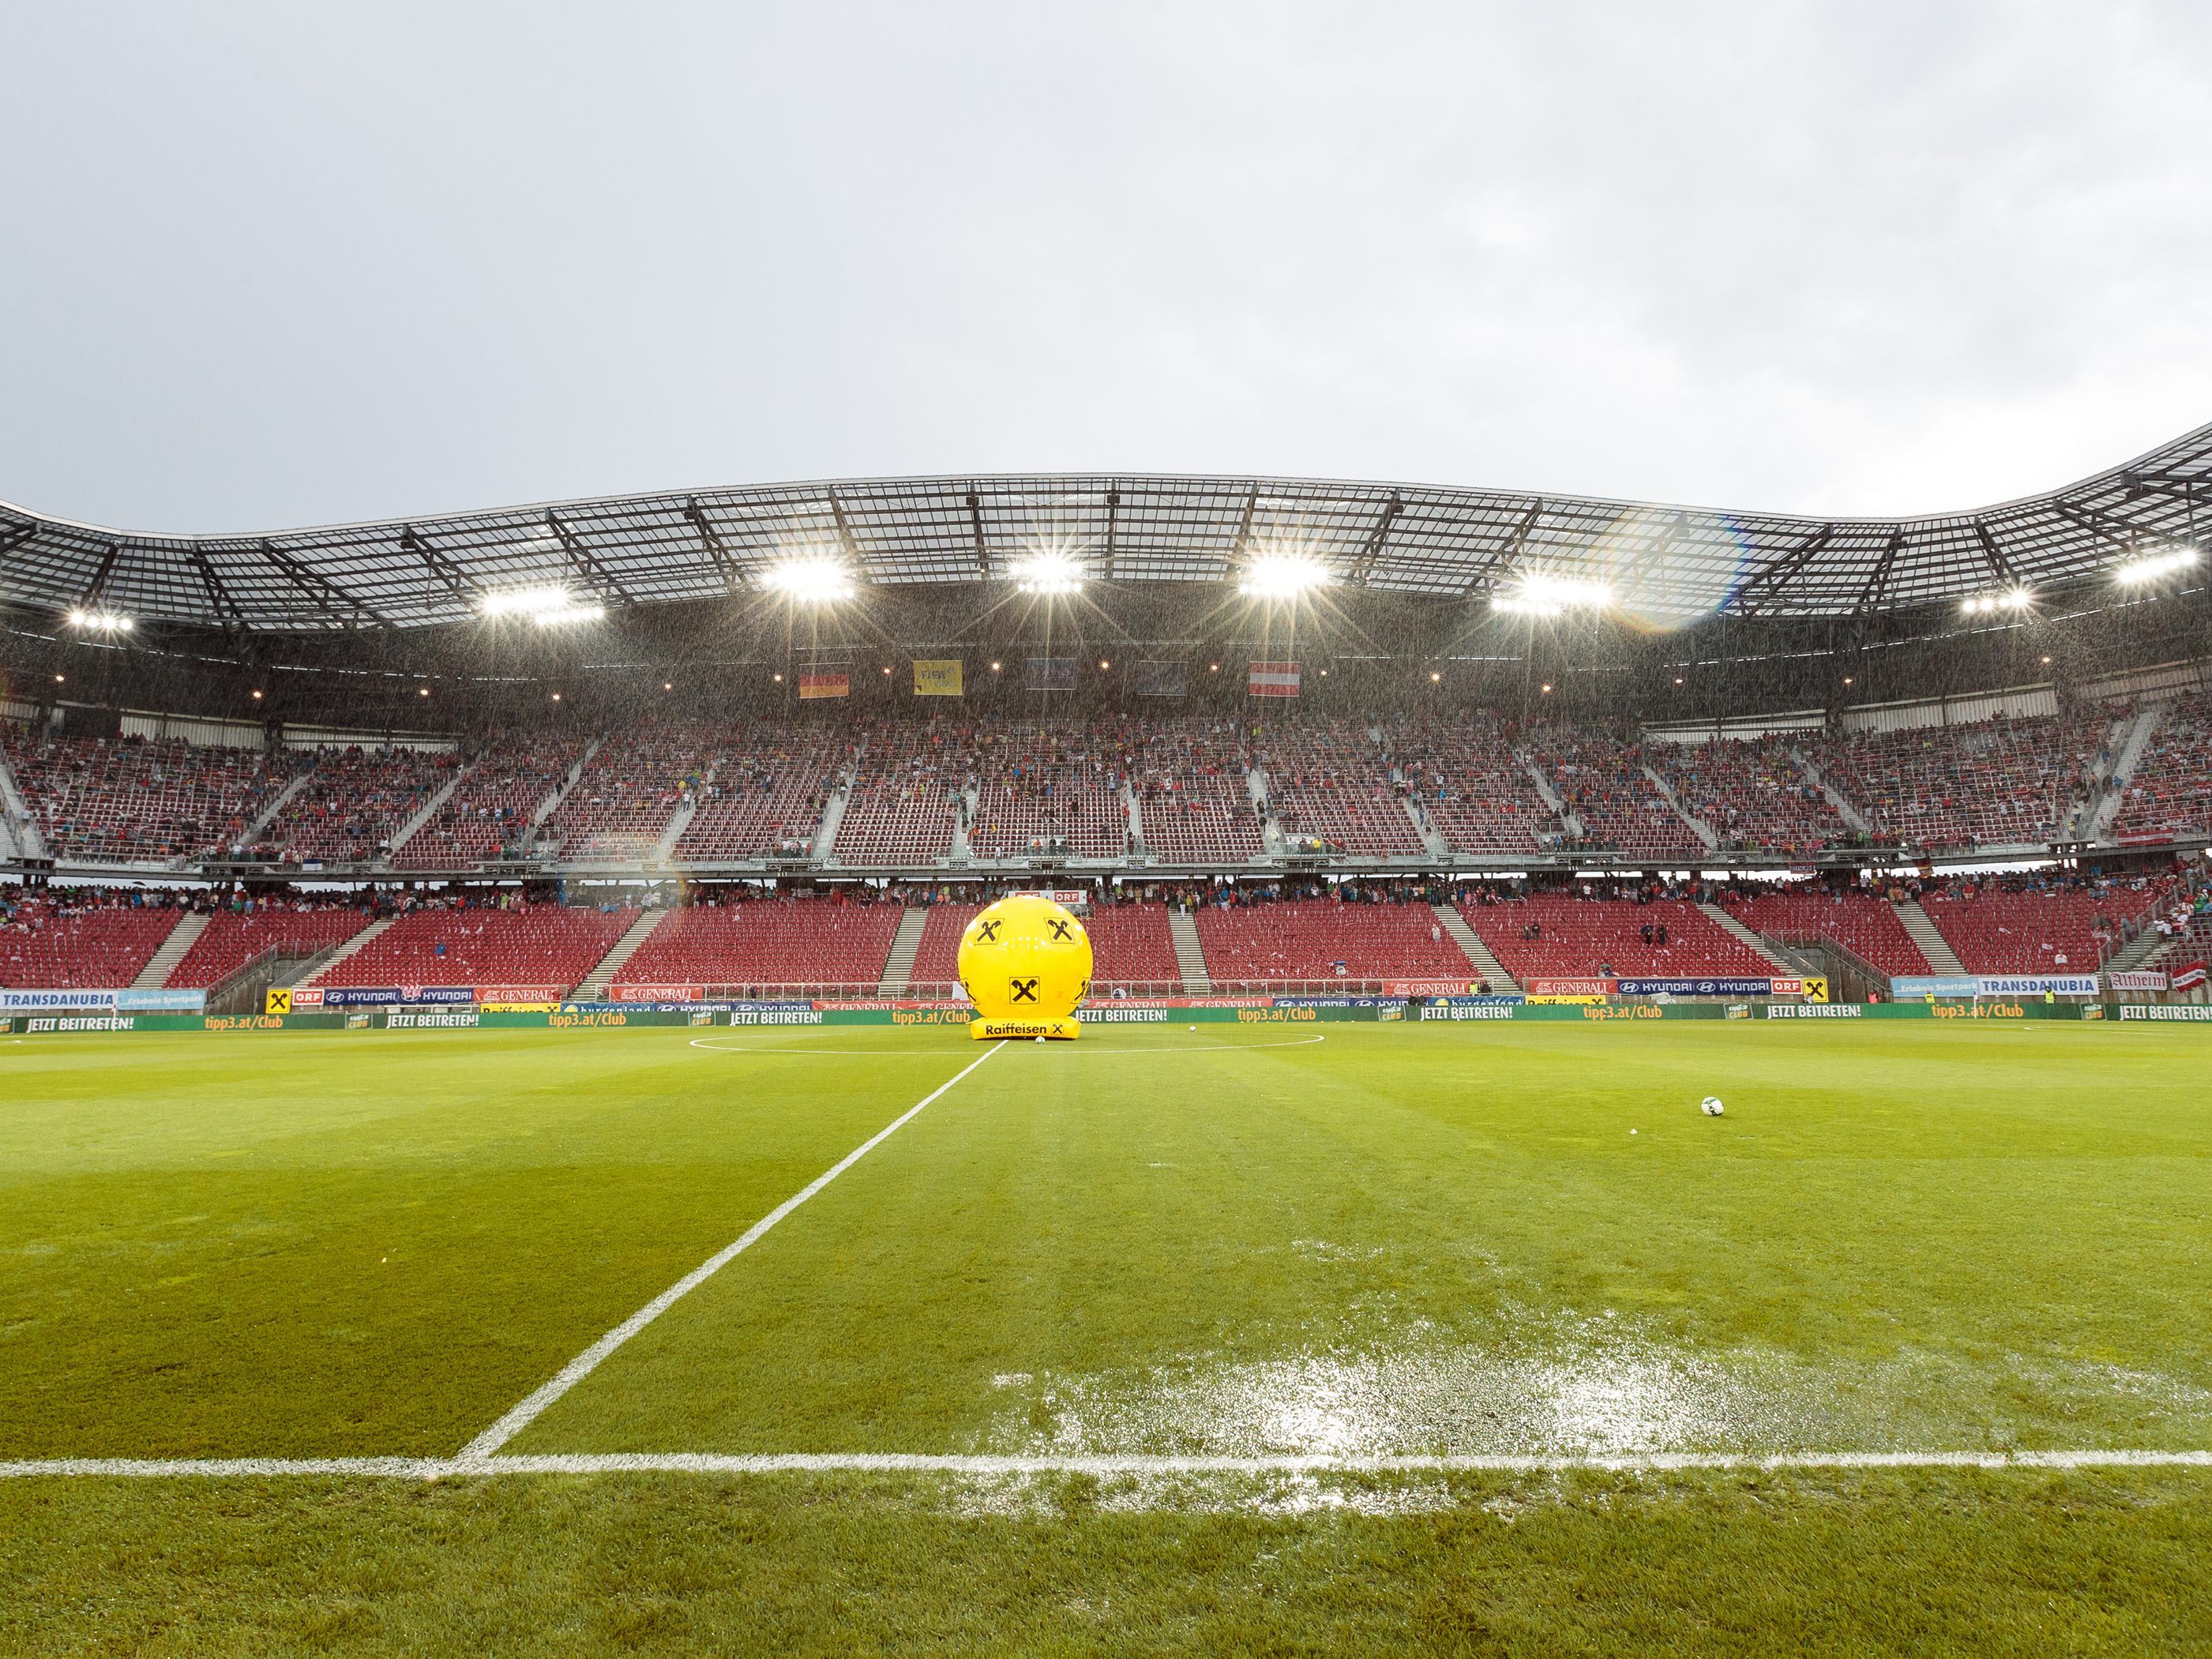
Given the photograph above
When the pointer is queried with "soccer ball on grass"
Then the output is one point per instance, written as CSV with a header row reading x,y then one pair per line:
x,y
1711,1106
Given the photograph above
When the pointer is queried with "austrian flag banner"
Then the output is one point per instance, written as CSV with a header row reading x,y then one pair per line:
x,y
1273,679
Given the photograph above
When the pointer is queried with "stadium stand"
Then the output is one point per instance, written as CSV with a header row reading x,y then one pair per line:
x,y
1328,780
1750,793
766,786
137,800
1471,787
489,811
908,793
68,944
353,801
1993,783
542,945
1321,941
1603,783
2170,793
1565,936
1048,787
1194,798
628,793
1863,924
767,944
2067,932
231,938
937,963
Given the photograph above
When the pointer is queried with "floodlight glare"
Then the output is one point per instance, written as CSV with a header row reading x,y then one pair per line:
x,y
1047,573
1282,576
1539,595
101,621
809,580
2139,571
2015,598
548,607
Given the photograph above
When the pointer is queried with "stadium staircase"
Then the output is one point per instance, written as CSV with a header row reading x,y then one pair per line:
x,y
28,842
1136,819
374,930
269,813
1785,965
685,811
1698,827
906,944
1433,839
1849,814
1568,822
551,804
1190,956
1487,967
1941,958
833,815
155,973
593,988
2136,951
429,810
2115,784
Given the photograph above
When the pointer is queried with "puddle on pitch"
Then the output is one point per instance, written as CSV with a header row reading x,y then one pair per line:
x,y
1596,1388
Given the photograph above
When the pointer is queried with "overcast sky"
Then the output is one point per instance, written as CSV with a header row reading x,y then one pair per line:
x,y
279,265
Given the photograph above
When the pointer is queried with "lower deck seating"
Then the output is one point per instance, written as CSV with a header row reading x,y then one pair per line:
x,y
767,944
2061,932
1320,940
1562,936
534,945
58,945
1865,926
231,939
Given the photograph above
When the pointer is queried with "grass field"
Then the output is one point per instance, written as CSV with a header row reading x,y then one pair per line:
x,y
1192,1305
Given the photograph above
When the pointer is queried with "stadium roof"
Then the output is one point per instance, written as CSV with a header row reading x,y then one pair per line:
x,y
1664,563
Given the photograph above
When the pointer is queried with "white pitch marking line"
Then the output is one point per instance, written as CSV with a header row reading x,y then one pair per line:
x,y
437,1468
585,1362
797,1052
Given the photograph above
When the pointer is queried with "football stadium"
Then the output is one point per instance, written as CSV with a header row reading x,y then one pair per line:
x,y
1650,1061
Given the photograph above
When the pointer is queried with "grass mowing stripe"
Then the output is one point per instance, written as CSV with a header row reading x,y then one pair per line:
x,y
436,1468
585,1362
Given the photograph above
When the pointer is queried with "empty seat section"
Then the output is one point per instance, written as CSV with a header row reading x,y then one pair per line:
x,y
231,939
1131,947
138,800
353,801
1194,798
1310,940
767,944
628,793
50,943
936,960
1471,787
1562,936
1604,785
1863,924
488,813
909,791
2058,933
766,786
2170,793
537,944
1750,793
1327,781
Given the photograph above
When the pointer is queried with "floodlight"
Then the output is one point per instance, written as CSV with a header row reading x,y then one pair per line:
x,y
2015,599
1047,573
1283,575
549,607
810,579
2139,571
101,621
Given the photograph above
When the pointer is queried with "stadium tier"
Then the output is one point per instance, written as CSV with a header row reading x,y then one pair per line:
x,y
908,797
1472,787
491,811
2169,791
231,939
1050,789
1606,785
1863,924
545,947
1996,783
936,959
1321,942
628,794
1565,936
1194,792
2059,933
68,945
350,803
1327,781
767,945
766,786
135,799
1752,795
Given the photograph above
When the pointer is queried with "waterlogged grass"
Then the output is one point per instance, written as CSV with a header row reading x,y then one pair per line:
x,y
1393,1240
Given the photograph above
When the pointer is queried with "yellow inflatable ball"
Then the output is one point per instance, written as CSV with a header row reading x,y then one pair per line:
x,y
1025,956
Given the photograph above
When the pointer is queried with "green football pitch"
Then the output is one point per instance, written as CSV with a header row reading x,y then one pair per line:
x,y
1237,1339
